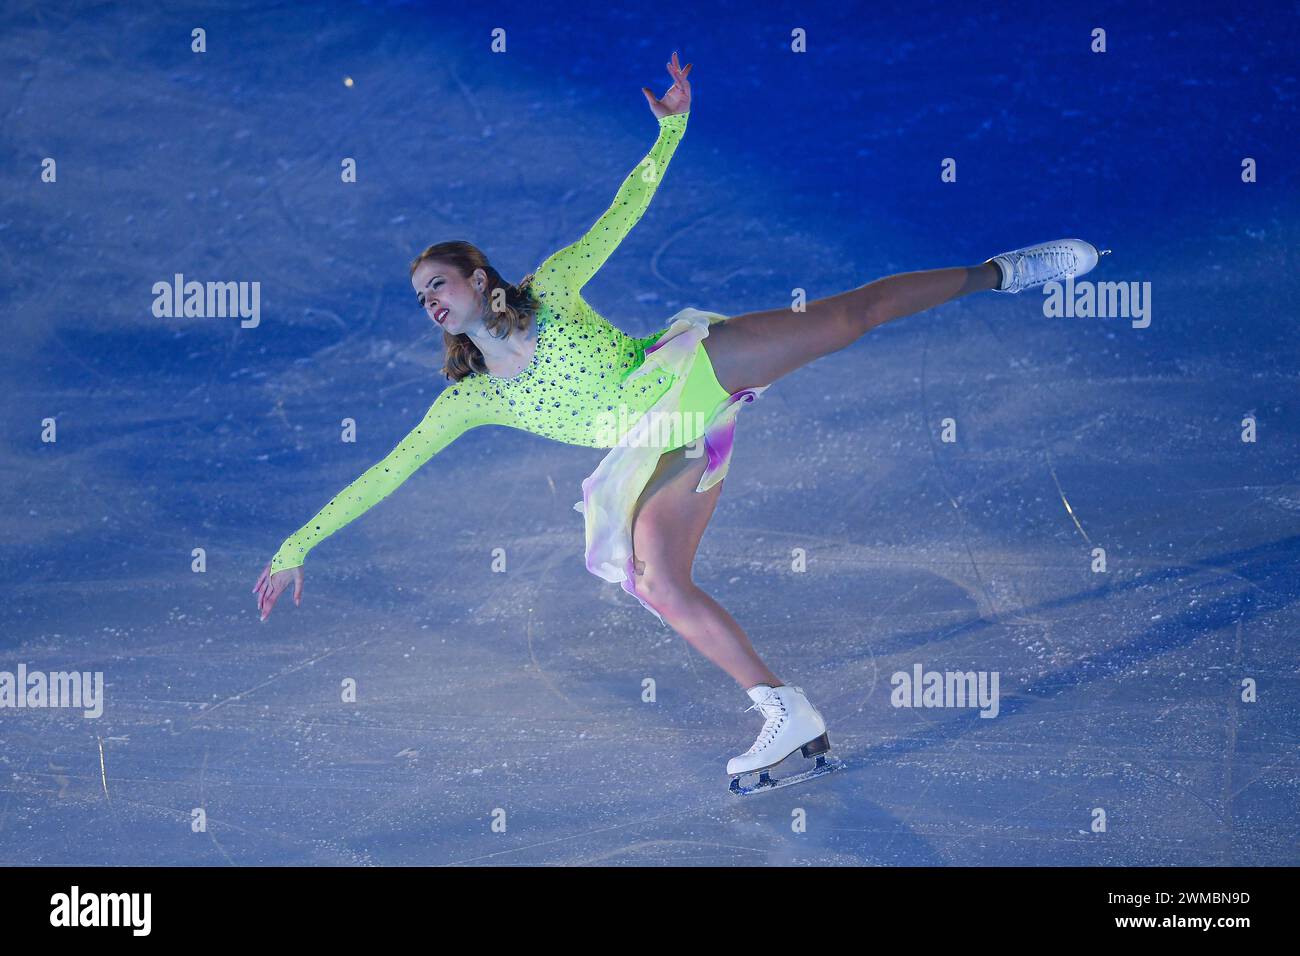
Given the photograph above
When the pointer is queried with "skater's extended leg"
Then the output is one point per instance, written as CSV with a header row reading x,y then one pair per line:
x,y
666,531
759,347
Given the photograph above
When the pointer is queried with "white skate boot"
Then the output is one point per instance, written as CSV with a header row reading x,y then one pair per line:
x,y
1046,262
792,724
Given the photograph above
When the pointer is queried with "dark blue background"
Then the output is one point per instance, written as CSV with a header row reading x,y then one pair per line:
x,y
817,171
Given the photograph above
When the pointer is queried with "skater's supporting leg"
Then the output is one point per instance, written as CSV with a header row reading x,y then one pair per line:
x,y
759,347
670,521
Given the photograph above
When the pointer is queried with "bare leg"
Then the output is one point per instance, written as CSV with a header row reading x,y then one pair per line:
x,y
666,531
748,351
759,347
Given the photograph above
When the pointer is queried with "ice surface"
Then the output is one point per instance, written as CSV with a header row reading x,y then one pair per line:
x,y
521,691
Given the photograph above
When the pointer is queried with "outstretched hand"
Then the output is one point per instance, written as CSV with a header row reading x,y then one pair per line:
x,y
270,586
678,97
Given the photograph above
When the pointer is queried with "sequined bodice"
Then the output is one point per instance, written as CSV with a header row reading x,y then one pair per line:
x,y
573,389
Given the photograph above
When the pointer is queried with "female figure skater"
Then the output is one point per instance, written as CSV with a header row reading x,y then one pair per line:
x,y
535,356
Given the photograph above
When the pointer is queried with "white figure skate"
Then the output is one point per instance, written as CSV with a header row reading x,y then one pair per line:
x,y
1033,266
792,724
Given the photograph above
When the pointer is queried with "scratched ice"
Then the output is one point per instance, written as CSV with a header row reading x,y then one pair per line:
x,y
482,693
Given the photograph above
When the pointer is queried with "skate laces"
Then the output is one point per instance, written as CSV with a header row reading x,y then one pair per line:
x,y
774,710
1056,261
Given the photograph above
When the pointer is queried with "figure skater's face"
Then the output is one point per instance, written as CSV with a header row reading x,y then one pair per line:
x,y
453,303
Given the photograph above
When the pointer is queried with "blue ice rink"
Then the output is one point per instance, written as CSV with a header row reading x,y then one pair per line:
x,y
1148,713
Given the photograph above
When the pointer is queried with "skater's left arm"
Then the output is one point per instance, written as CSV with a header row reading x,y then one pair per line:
x,y
459,408
574,265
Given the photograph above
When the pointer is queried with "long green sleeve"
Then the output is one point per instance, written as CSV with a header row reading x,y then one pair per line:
x,y
572,267
456,410
575,377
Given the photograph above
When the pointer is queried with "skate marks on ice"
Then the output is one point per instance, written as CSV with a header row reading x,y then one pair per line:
x,y
773,778
1125,673
593,785
941,472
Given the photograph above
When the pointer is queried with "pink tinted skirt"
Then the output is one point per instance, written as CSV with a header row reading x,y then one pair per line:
x,y
610,493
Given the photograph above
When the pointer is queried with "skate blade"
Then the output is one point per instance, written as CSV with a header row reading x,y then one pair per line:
x,y
766,782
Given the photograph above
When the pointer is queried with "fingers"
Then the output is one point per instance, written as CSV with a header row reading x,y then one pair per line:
x,y
678,74
266,610
266,596
262,577
269,590
270,596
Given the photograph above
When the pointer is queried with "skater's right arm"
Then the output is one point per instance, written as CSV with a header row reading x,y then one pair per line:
x,y
576,264
460,407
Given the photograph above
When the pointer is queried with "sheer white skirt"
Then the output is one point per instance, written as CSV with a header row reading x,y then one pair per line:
x,y
610,494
